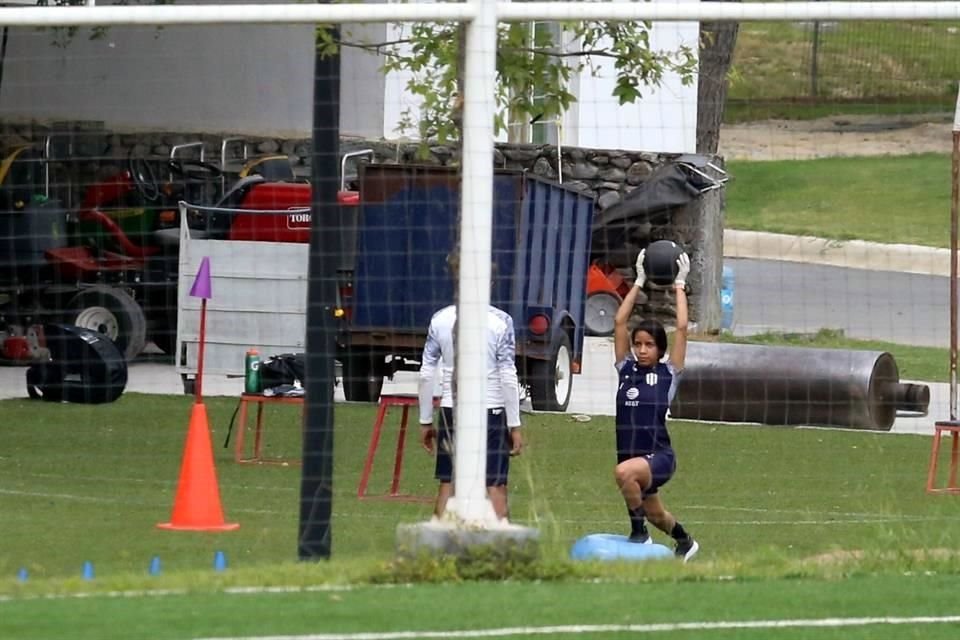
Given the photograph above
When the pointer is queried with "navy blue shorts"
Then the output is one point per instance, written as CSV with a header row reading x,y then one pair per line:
x,y
662,463
498,447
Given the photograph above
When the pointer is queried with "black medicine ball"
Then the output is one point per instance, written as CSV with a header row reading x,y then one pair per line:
x,y
660,261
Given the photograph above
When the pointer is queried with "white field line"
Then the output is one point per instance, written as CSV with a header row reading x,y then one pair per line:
x,y
348,494
102,500
664,627
825,519
158,593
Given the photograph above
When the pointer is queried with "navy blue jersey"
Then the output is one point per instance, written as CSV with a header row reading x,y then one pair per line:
x,y
643,397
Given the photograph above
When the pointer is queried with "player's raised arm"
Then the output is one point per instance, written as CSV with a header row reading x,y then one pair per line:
x,y
621,334
678,352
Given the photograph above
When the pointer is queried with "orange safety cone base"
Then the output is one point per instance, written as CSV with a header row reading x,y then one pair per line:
x,y
228,526
197,503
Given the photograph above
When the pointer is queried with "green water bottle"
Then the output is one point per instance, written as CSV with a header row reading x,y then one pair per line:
x,y
251,372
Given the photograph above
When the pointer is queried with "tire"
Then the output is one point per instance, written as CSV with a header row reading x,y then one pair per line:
x,y
114,313
360,381
551,381
600,311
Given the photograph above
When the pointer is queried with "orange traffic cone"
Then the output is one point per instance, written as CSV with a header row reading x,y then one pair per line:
x,y
197,505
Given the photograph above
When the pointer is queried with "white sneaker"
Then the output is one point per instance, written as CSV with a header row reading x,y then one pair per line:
x,y
647,540
686,549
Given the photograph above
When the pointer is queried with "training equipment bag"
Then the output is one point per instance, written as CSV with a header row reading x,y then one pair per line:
x,y
286,368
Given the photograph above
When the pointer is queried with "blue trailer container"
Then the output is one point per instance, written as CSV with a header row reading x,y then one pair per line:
x,y
406,229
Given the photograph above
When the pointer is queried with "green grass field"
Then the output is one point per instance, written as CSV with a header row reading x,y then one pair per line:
x,y
605,610
901,199
794,523
862,67
807,533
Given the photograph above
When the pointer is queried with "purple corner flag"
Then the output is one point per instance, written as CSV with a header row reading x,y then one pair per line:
x,y
201,285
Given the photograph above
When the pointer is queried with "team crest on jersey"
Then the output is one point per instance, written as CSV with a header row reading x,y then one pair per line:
x,y
651,379
633,393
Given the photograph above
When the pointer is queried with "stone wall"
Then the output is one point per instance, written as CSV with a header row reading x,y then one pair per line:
x,y
87,153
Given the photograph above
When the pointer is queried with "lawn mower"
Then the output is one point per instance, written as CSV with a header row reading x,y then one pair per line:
x,y
110,265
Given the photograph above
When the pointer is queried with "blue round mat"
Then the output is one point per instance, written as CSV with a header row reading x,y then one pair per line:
x,y
609,546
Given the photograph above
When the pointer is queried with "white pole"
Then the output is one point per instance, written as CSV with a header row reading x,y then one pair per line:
x,y
470,501
103,15
232,14
954,249
560,148
727,11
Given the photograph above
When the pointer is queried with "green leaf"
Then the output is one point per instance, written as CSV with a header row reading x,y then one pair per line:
x,y
534,69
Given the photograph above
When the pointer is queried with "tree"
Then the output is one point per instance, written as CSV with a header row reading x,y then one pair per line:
x,y
63,36
533,68
717,41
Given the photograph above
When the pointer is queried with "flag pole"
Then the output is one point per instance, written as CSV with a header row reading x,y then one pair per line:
x,y
201,289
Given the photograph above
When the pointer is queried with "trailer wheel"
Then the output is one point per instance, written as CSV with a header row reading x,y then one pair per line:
x,y
599,314
361,383
551,381
114,313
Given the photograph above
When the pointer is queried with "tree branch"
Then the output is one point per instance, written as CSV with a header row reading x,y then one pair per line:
x,y
602,53
373,46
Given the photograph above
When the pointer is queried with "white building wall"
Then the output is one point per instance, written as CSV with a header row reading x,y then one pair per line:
x,y
259,80
238,79
664,120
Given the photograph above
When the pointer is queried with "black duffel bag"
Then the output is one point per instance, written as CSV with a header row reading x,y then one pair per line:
x,y
284,369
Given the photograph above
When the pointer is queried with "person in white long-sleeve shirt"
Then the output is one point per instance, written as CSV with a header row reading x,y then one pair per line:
x,y
503,403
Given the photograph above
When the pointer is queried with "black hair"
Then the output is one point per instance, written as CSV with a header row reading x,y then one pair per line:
x,y
656,331
453,267
453,264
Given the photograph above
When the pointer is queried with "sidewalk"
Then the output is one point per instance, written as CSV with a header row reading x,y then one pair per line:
x,y
853,254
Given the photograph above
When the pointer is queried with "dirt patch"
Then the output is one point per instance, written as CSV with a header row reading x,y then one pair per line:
x,y
837,136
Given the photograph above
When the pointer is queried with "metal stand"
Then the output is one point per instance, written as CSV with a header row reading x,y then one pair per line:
x,y
387,401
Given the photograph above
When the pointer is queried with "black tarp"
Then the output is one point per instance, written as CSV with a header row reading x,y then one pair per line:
x,y
620,231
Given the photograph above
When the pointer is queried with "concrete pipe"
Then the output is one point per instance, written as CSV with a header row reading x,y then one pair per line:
x,y
794,385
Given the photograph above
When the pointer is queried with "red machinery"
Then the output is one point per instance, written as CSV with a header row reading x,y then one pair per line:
x,y
269,196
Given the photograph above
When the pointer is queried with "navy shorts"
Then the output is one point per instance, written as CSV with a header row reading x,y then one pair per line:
x,y
662,463
498,447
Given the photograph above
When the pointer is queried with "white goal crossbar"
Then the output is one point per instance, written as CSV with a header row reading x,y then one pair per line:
x,y
184,14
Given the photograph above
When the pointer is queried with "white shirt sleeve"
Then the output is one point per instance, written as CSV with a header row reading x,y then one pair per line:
x,y
507,367
672,392
428,368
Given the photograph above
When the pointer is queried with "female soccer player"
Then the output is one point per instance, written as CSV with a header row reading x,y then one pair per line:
x,y
648,382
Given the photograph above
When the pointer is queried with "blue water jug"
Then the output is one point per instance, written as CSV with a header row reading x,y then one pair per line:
x,y
726,299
